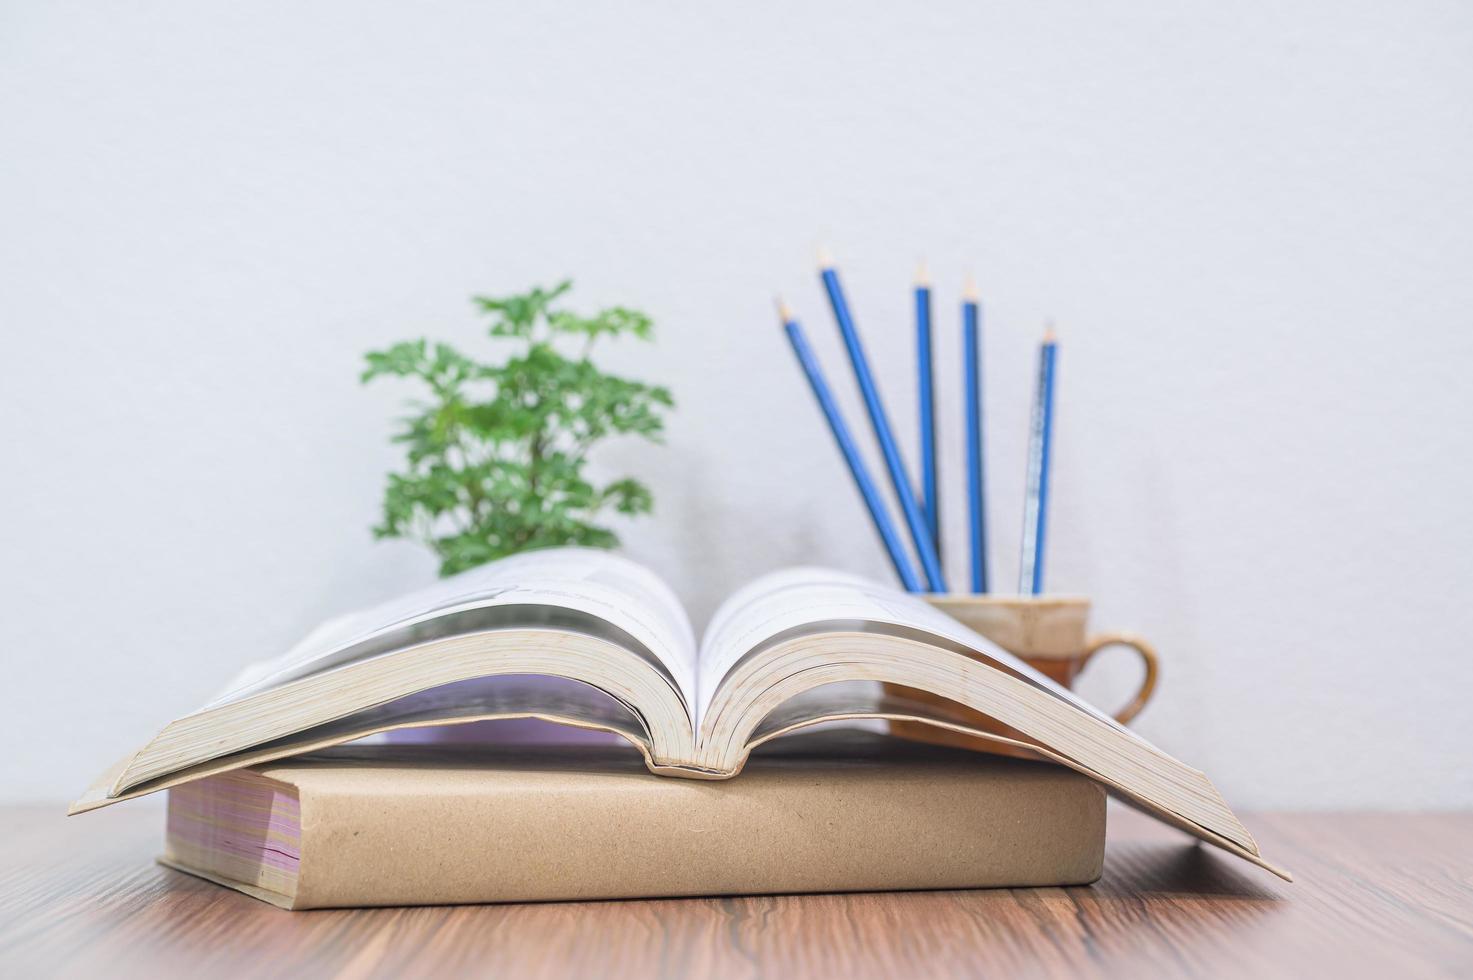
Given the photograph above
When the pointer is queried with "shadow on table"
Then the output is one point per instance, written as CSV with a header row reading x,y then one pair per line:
x,y
1184,869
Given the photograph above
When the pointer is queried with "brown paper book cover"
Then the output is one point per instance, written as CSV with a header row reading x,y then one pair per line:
x,y
824,811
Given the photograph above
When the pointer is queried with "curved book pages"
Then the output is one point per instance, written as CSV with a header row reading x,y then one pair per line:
x,y
781,654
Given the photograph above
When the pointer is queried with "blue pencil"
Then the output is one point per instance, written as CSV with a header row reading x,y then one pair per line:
x,y
1040,439
976,460
926,392
899,478
857,469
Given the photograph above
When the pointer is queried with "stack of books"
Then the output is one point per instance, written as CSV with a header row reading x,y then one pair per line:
x,y
267,796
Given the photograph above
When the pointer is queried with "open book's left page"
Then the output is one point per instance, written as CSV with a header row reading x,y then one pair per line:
x,y
440,656
609,588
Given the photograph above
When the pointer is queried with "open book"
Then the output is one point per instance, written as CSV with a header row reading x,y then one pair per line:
x,y
782,653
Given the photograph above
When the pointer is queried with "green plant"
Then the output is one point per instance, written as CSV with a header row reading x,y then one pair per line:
x,y
496,454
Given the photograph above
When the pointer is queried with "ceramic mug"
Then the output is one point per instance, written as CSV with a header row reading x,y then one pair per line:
x,y
1050,633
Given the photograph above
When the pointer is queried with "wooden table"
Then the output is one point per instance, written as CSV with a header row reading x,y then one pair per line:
x,y
1388,895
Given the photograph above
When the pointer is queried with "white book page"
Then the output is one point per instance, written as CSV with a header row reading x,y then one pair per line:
x,y
614,589
798,597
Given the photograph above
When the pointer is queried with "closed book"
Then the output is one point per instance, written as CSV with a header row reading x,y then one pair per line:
x,y
825,811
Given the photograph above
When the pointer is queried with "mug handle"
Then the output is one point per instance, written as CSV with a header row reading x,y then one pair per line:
x,y
1148,657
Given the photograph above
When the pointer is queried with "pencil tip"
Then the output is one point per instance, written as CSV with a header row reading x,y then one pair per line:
x,y
825,257
784,311
923,274
1049,334
969,289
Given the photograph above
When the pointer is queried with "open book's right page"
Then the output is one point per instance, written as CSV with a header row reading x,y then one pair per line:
x,y
778,607
796,597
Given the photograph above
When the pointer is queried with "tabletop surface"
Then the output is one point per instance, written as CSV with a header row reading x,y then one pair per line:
x,y
1374,893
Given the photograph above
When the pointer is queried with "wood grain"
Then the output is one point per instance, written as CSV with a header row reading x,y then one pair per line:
x,y
1377,895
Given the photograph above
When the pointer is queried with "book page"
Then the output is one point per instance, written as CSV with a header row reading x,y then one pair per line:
x,y
799,597
616,590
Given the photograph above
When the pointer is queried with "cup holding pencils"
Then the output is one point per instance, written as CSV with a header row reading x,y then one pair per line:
x,y
1048,632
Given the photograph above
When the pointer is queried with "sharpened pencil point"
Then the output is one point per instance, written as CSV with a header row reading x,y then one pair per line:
x,y
825,257
784,311
1049,334
923,275
969,289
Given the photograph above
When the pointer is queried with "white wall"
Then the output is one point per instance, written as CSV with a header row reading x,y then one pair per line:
x,y
1253,224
